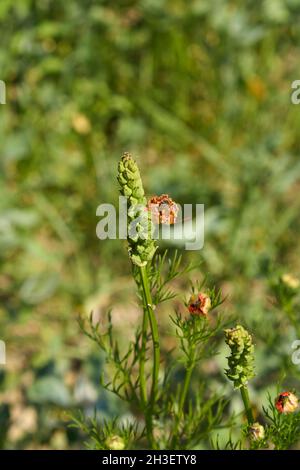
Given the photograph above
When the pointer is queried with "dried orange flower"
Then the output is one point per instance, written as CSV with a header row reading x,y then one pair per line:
x,y
163,209
199,304
286,402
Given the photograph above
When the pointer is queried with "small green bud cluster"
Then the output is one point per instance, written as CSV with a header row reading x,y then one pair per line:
x,y
115,443
256,432
139,223
240,362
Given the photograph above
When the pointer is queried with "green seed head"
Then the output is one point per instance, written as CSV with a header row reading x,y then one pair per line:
x,y
241,361
139,224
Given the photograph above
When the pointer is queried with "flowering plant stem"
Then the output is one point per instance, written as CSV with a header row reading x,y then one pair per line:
x,y
247,404
182,399
149,316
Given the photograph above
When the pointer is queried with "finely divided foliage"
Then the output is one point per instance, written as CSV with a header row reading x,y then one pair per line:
x,y
171,404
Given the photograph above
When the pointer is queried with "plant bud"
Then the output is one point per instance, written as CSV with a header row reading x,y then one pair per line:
x,y
199,304
163,209
115,443
241,360
256,432
286,402
140,228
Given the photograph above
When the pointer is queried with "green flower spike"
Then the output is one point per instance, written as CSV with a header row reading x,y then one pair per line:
x,y
241,360
139,224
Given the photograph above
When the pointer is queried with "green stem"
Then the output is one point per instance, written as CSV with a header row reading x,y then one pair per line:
x,y
142,374
247,404
186,385
183,395
143,383
155,339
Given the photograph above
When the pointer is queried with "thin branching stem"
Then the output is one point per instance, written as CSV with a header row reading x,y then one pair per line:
x,y
183,394
142,373
155,339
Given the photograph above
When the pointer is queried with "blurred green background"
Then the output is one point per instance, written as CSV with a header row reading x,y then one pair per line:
x,y
200,91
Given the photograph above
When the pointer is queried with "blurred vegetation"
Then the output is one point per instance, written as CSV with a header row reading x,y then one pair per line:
x,y
200,91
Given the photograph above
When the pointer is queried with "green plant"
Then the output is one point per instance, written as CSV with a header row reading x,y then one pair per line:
x,y
167,412
205,111
282,417
283,428
240,364
167,415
